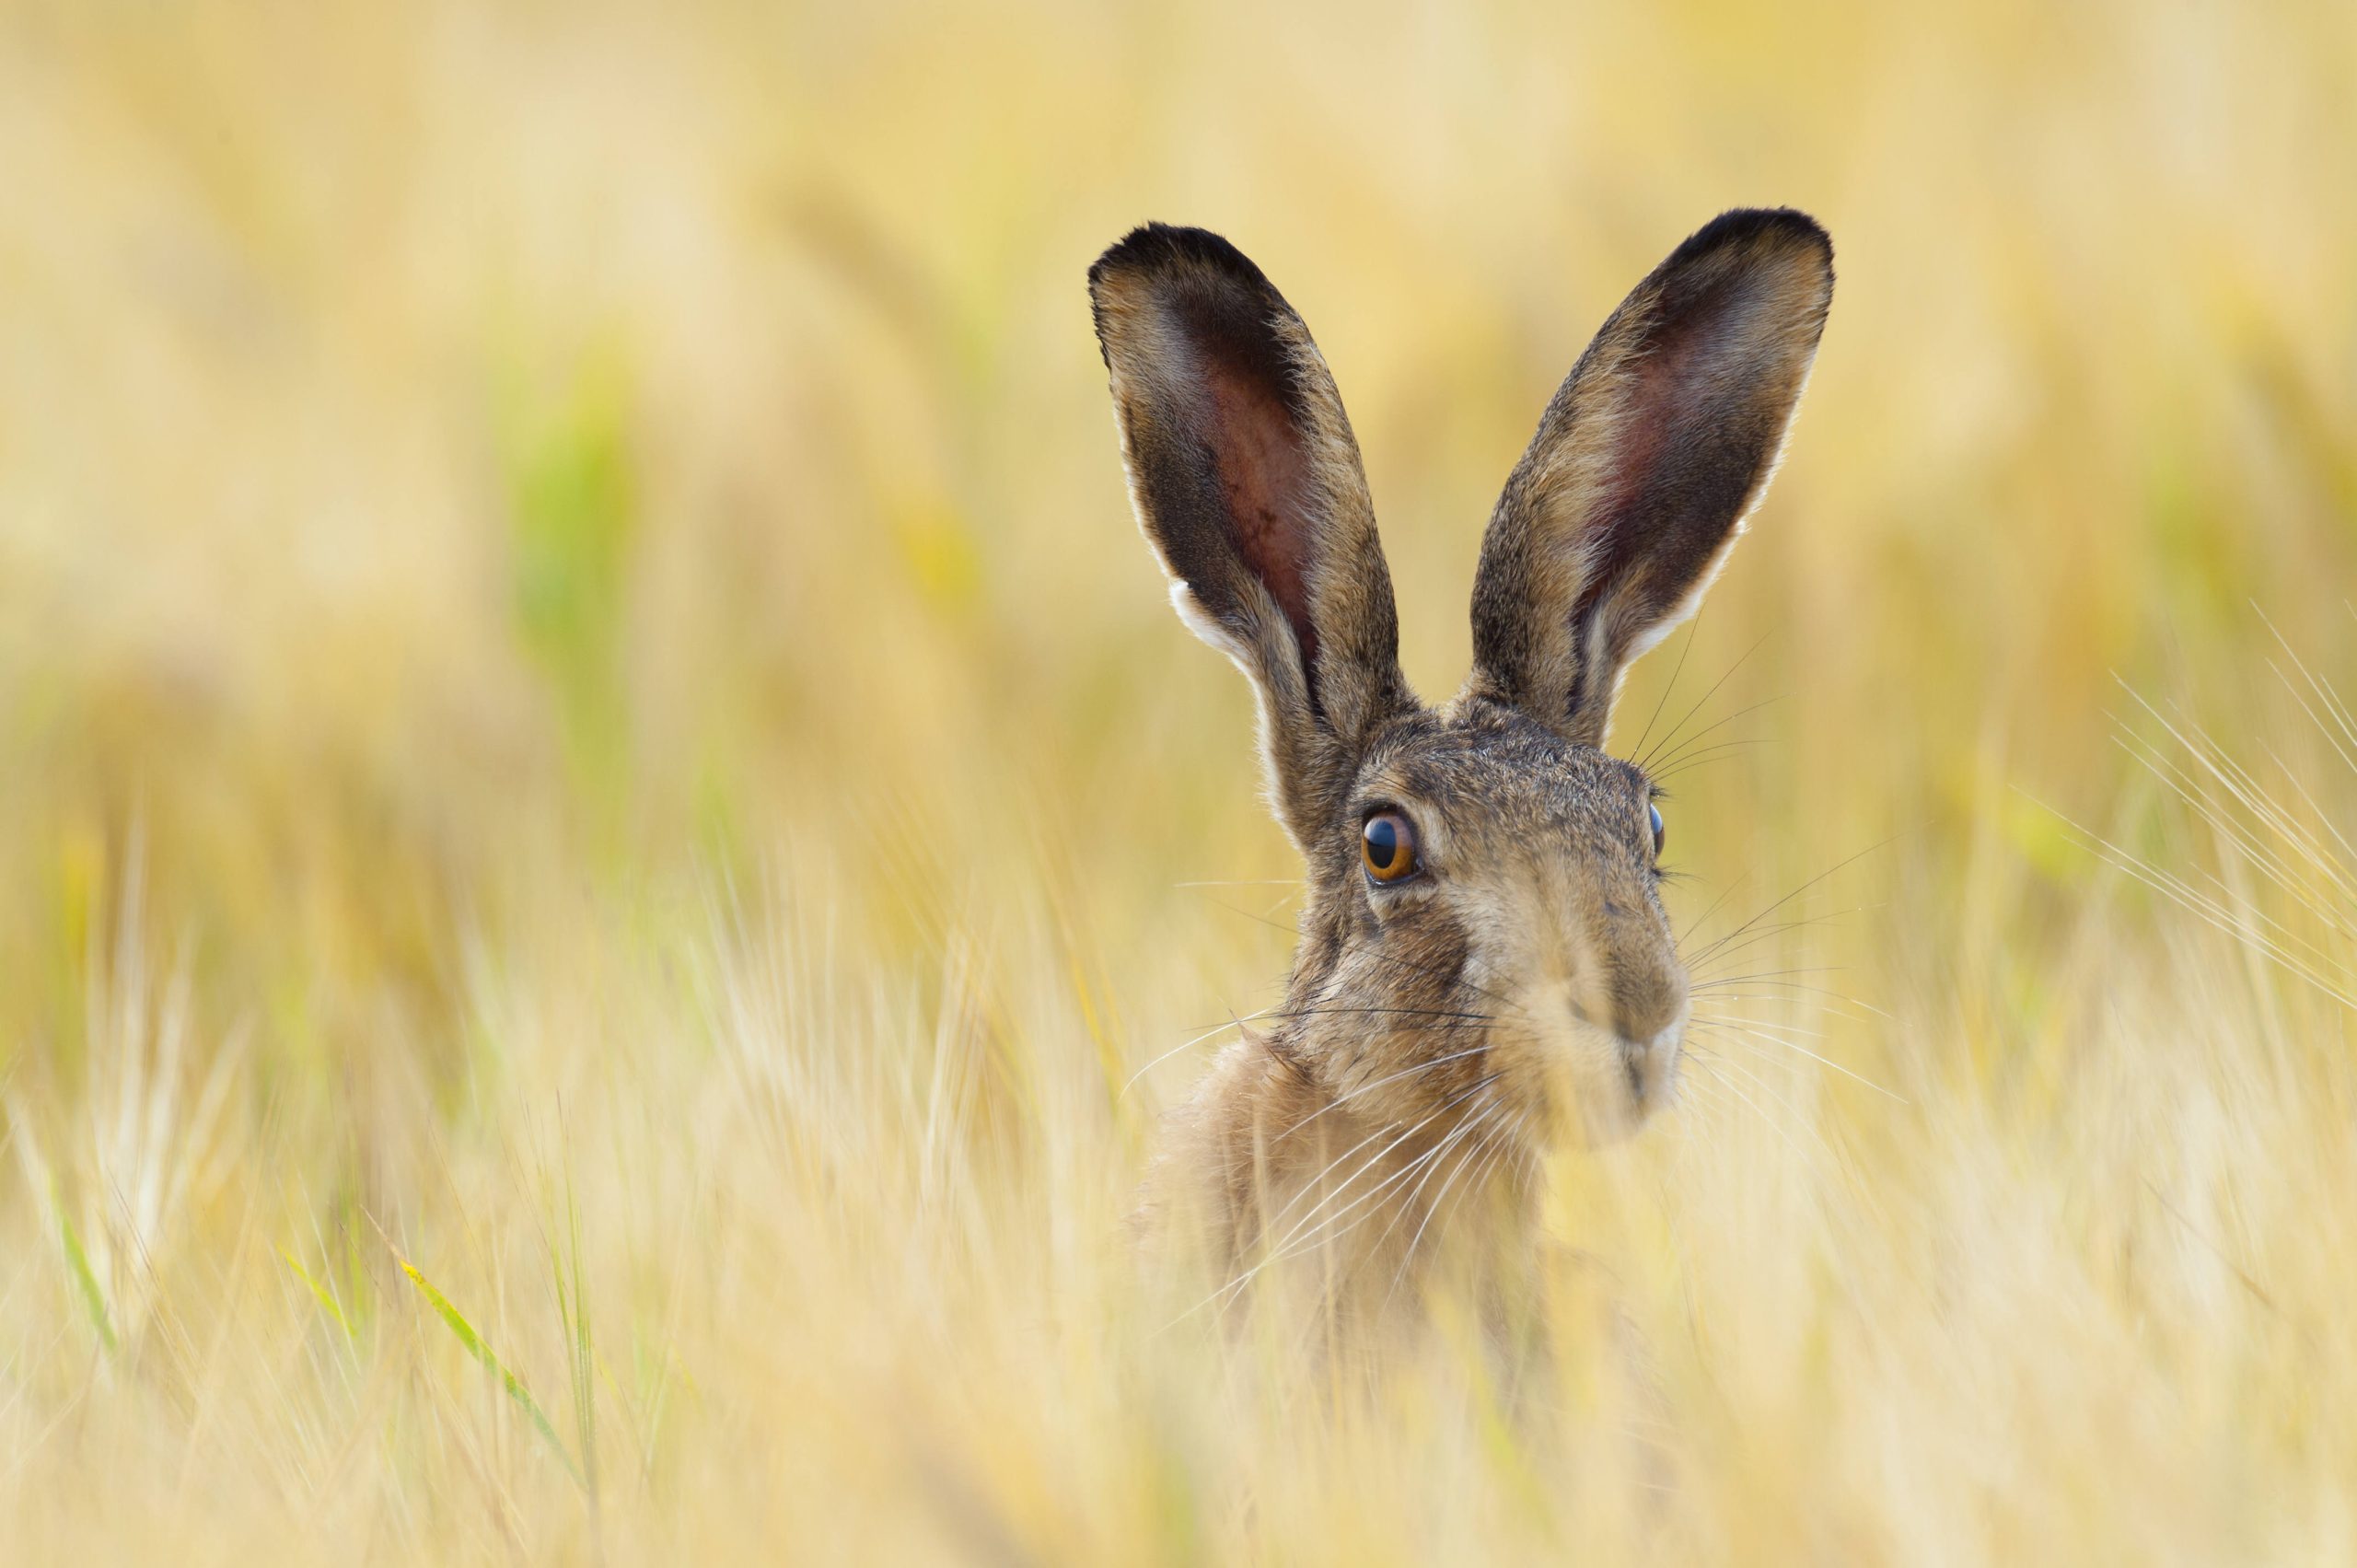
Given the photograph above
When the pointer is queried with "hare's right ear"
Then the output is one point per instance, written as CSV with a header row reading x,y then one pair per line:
x,y
1247,483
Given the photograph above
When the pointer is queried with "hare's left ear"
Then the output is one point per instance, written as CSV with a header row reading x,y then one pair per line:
x,y
1645,466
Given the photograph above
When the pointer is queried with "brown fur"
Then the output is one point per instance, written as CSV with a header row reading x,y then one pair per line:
x,y
1524,988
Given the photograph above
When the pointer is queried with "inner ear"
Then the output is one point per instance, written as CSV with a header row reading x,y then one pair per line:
x,y
1267,479
1680,455
1250,422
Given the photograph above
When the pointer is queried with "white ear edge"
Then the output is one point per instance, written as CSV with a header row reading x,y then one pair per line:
x,y
1683,611
1206,626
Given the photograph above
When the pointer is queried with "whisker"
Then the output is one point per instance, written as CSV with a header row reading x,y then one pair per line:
x,y
1709,754
1788,898
1513,1157
1408,1072
1286,1246
1771,1124
1762,1023
1268,1013
1688,934
1692,628
1749,933
1424,1162
1726,986
1435,972
1706,1078
1301,1012
1779,977
1454,980
1431,1213
1671,760
1428,1162
1262,882
1311,1185
1671,737
1184,1045
1384,1012
1458,1136
1714,963
1775,993
1792,1113
1759,1025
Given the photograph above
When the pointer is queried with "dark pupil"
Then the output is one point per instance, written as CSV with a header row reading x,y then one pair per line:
x,y
1657,829
1382,843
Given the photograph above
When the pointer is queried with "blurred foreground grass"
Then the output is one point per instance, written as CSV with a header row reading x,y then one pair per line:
x,y
599,802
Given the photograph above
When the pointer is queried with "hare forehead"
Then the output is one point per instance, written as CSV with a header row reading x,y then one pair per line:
x,y
1494,781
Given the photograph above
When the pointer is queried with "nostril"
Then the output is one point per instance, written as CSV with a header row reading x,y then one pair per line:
x,y
1657,1045
1645,1023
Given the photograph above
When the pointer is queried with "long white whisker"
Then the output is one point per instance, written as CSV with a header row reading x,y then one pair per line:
x,y
1767,1031
1389,1078
1186,1045
1286,1245
1791,1112
1439,1199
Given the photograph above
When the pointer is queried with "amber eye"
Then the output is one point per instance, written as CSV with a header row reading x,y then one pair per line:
x,y
1660,833
1388,844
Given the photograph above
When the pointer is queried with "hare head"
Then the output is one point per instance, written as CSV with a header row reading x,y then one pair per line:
x,y
1483,946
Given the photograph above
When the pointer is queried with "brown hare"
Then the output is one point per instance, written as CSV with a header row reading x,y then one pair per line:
x,y
1485,966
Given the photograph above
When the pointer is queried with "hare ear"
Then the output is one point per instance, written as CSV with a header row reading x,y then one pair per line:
x,y
1247,485
1645,464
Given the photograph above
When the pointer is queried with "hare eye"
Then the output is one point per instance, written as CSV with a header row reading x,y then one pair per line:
x,y
1660,833
1387,845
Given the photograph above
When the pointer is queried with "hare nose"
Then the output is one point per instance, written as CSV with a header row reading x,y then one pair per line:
x,y
1646,1008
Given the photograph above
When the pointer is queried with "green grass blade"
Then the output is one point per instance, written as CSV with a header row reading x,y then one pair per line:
x,y
482,1351
582,1345
320,1292
78,1262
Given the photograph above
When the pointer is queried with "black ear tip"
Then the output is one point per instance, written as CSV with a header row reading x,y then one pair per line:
x,y
1786,230
1153,248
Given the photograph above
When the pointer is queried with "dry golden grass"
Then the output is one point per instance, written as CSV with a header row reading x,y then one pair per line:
x,y
598,799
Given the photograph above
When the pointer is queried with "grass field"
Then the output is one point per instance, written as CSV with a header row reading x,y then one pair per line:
x,y
608,848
